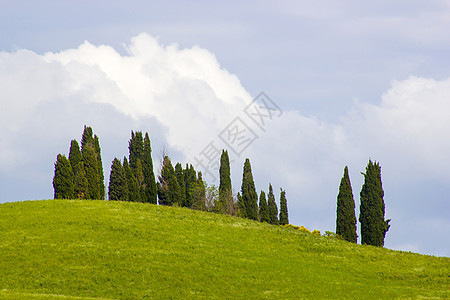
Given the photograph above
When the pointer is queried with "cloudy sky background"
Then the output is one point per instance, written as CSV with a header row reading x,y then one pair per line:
x,y
353,80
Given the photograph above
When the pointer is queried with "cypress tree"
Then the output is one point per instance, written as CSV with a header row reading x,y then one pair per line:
x,y
63,178
139,174
118,187
248,192
273,210
80,182
79,175
190,181
136,149
199,193
168,187
149,175
132,184
284,219
225,181
100,176
345,212
86,138
371,216
89,154
263,208
181,182
74,153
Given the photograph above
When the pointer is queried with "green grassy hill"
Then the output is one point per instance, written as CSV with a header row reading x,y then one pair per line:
x,y
108,250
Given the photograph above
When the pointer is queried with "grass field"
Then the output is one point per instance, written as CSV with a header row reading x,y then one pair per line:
x,y
108,250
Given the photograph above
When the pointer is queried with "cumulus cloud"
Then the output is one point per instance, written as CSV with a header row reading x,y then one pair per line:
x,y
179,87
184,98
408,129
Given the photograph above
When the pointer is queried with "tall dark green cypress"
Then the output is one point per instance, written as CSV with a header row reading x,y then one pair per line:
x,y
263,208
100,176
345,211
199,193
136,149
225,181
248,193
118,187
149,175
181,182
74,153
273,210
79,175
88,151
284,218
371,215
139,175
190,180
168,187
141,164
63,178
132,183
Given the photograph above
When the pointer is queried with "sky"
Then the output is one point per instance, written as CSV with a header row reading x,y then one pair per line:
x,y
302,89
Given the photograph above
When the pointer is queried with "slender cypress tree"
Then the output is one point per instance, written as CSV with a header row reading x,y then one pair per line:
x,y
263,208
118,187
199,193
273,210
136,149
371,216
149,175
74,153
225,181
181,182
80,182
88,151
100,176
87,137
132,184
79,175
345,212
284,219
139,174
63,178
248,192
190,180
168,187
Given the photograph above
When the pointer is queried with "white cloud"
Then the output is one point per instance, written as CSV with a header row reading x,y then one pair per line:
x,y
186,90
179,87
408,129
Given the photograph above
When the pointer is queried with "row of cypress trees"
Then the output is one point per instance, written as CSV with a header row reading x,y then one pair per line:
x,y
247,198
372,208
134,179
81,175
181,187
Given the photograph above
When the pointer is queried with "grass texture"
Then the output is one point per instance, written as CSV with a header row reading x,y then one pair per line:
x,y
64,249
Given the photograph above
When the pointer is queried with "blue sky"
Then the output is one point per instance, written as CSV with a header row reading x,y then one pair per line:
x,y
353,80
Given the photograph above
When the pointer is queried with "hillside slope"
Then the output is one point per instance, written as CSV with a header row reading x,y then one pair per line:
x,y
98,249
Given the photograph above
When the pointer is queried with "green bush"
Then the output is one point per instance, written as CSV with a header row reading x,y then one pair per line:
x,y
303,229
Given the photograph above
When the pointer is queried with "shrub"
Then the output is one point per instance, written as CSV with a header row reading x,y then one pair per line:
x,y
291,226
333,235
303,229
316,232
